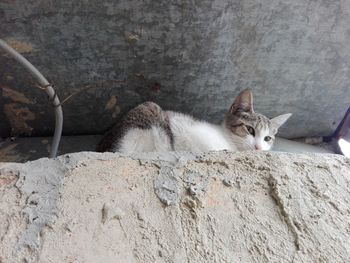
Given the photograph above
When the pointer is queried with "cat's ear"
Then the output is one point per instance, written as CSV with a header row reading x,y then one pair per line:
x,y
280,120
243,102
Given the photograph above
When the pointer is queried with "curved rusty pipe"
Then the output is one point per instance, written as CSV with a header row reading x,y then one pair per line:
x,y
49,90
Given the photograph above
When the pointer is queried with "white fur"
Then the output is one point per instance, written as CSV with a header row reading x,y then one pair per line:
x,y
198,136
189,135
193,136
138,140
259,140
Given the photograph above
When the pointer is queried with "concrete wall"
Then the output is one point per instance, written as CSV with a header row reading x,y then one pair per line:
x,y
219,207
193,56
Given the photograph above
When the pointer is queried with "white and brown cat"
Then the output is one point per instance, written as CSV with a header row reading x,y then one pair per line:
x,y
149,128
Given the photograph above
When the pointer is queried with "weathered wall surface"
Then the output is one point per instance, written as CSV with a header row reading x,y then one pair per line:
x,y
219,207
193,56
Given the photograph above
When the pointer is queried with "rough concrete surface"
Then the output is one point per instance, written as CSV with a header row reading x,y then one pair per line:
x,y
218,207
190,56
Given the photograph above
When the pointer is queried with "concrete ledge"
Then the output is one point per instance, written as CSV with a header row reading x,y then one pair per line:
x,y
218,207
33,148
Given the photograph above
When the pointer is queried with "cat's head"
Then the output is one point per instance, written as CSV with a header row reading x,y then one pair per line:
x,y
251,130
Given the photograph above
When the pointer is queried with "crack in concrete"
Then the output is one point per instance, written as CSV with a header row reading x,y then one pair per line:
x,y
7,228
274,192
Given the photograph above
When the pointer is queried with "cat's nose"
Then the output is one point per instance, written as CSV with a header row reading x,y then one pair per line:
x,y
257,147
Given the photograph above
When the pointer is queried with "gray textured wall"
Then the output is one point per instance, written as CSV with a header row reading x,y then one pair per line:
x,y
193,56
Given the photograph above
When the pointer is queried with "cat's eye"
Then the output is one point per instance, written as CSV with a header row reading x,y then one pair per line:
x,y
267,138
251,130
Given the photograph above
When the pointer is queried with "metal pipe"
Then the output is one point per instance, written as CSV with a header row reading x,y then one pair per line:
x,y
49,90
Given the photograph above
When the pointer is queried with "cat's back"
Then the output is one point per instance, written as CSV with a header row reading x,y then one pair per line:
x,y
143,117
178,120
148,127
191,134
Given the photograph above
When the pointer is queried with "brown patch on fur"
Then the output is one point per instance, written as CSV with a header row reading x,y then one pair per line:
x,y
236,122
241,114
144,116
243,102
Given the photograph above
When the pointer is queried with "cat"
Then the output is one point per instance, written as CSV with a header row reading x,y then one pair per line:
x,y
149,128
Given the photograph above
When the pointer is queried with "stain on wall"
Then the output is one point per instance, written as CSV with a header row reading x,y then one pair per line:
x,y
190,56
20,46
19,117
15,96
111,102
